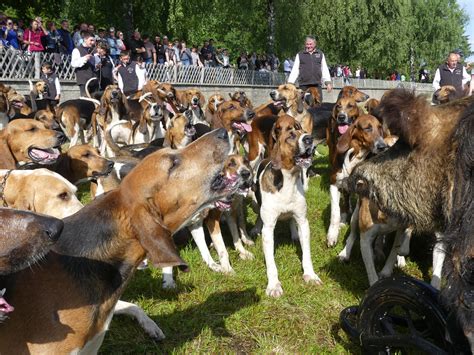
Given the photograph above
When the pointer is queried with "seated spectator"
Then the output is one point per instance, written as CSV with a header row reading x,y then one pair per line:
x,y
150,53
130,75
112,43
196,61
9,35
53,92
66,44
185,54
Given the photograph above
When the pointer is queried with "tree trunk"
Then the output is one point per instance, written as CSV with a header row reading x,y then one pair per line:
x,y
271,26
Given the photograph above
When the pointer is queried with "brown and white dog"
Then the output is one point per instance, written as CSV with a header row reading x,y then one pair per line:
x,y
345,112
82,162
292,103
237,173
282,196
75,117
192,100
236,120
28,141
444,94
25,238
102,244
10,103
40,190
211,107
370,106
242,97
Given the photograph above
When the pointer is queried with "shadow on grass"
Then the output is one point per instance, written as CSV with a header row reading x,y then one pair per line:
x,y
183,326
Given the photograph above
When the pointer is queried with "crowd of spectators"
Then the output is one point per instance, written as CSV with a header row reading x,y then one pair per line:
x,y
159,49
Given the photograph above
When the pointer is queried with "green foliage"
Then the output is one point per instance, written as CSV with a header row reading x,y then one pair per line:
x,y
377,34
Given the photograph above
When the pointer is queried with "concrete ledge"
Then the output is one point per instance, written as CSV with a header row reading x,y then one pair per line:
x,y
258,95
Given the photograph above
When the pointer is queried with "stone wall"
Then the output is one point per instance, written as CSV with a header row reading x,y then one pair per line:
x,y
258,95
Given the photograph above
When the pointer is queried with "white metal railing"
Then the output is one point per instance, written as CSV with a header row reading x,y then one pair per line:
x,y
19,65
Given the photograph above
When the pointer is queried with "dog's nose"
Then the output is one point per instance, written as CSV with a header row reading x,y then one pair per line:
x,y
52,227
380,144
341,117
61,137
307,140
222,134
195,100
114,94
273,94
245,174
249,113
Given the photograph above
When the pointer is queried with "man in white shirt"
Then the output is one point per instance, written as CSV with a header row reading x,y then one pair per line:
x,y
310,68
83,62
451,73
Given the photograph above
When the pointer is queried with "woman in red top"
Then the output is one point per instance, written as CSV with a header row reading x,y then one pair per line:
x,y
32,38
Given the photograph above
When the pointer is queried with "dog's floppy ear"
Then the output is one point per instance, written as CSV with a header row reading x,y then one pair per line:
x,y
299,102
309,99
275,157
202,99
344,142
155,238
6,156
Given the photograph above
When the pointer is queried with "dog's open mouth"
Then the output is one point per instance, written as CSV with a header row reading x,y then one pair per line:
x,y
342,128
44,156
280,102
224,204
304,160
241,127
17,104
4,306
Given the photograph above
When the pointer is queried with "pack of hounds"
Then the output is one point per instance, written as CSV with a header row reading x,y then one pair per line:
x,y
166,159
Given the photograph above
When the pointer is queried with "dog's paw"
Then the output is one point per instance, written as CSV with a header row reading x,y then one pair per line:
x,y
152,329
274,291
401,262
385,273
227,269
332,236
246,255
247,241
312,279
343,257
168,284
215,267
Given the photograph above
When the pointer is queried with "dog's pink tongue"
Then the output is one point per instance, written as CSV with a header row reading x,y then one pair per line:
x,y
169,107
5,307
247,127
342,129
43,155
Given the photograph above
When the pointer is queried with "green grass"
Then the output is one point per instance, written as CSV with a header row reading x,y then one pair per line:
x,y
214,313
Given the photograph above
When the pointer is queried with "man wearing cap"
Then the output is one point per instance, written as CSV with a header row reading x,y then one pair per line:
x,y
310,68
451,73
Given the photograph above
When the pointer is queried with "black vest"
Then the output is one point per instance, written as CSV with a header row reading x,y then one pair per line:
x,y
129,78
51,87
454,78
310,67
85,72
105,73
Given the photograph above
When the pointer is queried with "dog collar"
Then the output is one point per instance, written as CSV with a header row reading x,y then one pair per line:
x,y
2,187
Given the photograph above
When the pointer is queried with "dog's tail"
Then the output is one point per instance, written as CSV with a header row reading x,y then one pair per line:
x,y
112,144
87,87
